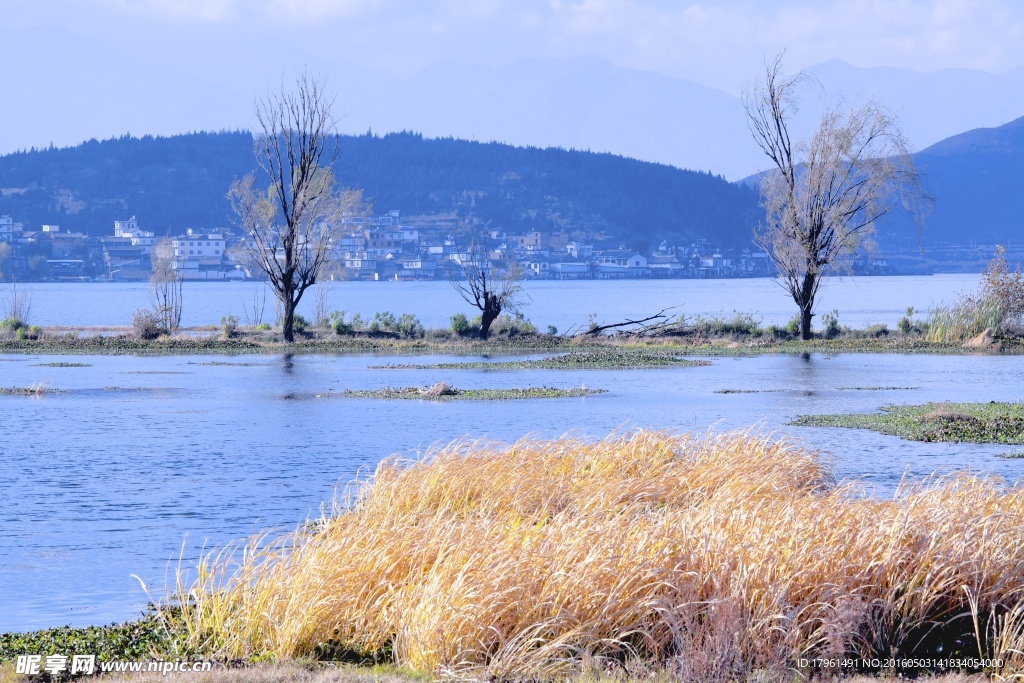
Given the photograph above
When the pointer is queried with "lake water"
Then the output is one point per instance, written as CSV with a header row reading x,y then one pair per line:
x,y
144,458
861,301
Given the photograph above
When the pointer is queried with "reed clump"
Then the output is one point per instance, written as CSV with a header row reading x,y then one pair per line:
x,y
997,307
710,556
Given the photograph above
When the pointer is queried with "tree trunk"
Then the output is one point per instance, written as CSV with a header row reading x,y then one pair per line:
x,y
805,322
805,300
288,317
491,310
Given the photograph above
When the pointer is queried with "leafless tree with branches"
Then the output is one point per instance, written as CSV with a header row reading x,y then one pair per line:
x,y
823,197
482,285
165,285
293,225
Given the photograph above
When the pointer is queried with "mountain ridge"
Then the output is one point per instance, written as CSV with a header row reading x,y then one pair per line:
x,y
181,181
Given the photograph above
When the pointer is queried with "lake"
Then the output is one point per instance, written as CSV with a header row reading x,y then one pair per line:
x,y
145,458
861,301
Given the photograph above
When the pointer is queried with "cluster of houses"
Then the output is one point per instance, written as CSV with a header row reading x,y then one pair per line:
x,y
369,248
385,248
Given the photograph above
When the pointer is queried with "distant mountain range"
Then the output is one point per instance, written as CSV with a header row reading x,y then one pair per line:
x,y
581,103
181,181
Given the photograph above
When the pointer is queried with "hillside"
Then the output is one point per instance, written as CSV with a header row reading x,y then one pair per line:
x,y
976,178
176,182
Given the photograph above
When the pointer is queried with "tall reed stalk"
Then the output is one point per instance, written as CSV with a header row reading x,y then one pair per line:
x,y
711,555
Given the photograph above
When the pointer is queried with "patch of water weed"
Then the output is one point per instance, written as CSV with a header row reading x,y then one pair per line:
x,y
220,363
598,359
971,422
748,391
1011,455
130,641
33,390
115,389
876,388
60,364
446,392
152,372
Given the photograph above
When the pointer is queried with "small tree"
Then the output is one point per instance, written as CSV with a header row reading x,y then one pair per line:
x,y
824,196
165,285
482,285
293,225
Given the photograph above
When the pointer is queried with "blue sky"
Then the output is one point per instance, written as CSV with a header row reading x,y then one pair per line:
x,y
76,69
714,43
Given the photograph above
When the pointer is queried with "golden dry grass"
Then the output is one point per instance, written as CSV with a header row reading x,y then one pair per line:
x,y
292,673
709,556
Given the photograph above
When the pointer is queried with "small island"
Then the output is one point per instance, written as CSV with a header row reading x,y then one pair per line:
x,y
445,392
957,422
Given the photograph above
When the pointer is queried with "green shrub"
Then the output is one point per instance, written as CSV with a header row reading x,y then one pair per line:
x,y
35,332
299,323
263,327
459,324
409,326
507,326
552,330
11,324
336,319
793,326
520,325
879,330
383,321
740,323
229,326
831,320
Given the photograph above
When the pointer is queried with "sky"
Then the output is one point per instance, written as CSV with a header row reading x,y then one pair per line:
x,y
719,44
74,69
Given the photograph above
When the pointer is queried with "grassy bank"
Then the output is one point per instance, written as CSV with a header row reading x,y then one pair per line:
x,y
973,422
691,557
704,340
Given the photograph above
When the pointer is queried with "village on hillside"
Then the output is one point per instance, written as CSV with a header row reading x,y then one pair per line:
x,y
369,248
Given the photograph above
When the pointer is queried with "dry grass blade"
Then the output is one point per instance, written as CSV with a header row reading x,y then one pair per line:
x,y
709,556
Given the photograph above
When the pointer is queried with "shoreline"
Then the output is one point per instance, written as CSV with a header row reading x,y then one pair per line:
x,y
206,340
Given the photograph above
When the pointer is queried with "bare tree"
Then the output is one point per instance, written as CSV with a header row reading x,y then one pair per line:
x,y
824,196
293,225
255,307
489,289
17,304
165,285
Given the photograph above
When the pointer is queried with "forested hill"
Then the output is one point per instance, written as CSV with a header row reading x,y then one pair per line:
x,y
180,181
